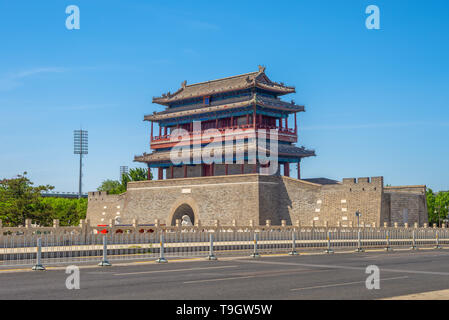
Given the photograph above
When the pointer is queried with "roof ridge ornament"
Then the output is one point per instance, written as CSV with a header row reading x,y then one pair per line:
x,y
184,84
262,69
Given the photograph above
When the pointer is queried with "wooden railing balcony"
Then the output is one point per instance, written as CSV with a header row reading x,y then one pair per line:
x,y
285,131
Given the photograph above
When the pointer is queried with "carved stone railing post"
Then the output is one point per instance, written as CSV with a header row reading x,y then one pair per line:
x,y
198,223
135,223
406,225
28,223
178,223
234,223
156,222
385,224
87,227
251,223
416,225
55,223
216,223
283,223
268,223
298,223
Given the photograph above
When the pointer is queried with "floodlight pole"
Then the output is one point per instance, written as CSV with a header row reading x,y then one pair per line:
x,y
81,148
81,174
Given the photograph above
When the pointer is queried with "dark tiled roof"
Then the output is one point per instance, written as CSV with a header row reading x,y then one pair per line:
x,y
286,150
226,105
243,81
292,150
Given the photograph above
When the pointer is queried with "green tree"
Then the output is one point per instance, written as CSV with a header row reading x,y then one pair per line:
x,y
19,201
69,212
441,206
112,187
117,187
430,196
437,206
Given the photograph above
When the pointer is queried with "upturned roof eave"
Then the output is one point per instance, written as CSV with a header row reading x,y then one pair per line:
x,y
253,79
158,116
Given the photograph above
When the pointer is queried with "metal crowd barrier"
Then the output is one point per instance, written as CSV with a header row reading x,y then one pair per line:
x,y
162,245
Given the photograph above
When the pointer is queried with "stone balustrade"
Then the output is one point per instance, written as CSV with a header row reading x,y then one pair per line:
x,y
85,228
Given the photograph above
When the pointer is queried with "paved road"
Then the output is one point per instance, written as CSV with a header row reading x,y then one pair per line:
x,y
337,276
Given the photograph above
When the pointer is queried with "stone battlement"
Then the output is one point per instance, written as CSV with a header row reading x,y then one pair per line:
x,y
102,195
364,180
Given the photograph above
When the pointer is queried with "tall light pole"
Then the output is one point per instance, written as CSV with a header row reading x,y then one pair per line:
x,y
80,139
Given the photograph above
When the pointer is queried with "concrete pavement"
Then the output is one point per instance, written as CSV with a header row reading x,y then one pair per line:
x,y
337,276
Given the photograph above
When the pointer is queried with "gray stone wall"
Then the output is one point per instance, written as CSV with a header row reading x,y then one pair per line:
x,y
103,207
407,204
241,198
222,198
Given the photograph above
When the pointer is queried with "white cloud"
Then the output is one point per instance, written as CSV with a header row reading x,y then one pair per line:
x,y
13,80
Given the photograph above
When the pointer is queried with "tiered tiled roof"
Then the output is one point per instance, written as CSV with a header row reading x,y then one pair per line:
x,y
226,105
283,150
244,81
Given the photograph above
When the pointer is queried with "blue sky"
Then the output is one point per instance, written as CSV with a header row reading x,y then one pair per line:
x,y
376,100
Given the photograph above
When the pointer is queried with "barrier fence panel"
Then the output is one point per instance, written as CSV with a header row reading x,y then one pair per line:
x,y
22,250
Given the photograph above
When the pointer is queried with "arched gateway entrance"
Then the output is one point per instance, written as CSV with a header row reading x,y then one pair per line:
x,y
183,209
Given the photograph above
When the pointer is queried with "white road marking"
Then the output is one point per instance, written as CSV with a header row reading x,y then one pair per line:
x,y
343,284
347,267
173,270
220,279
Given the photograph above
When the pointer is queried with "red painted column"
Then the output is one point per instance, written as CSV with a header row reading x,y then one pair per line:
x,y
286,123
242,168
299,170
247,118
254,117
160,174
165,130
185,171
226,169
149,173
280,123
287,169
171,172
151,131
212,169
160,130
296,125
